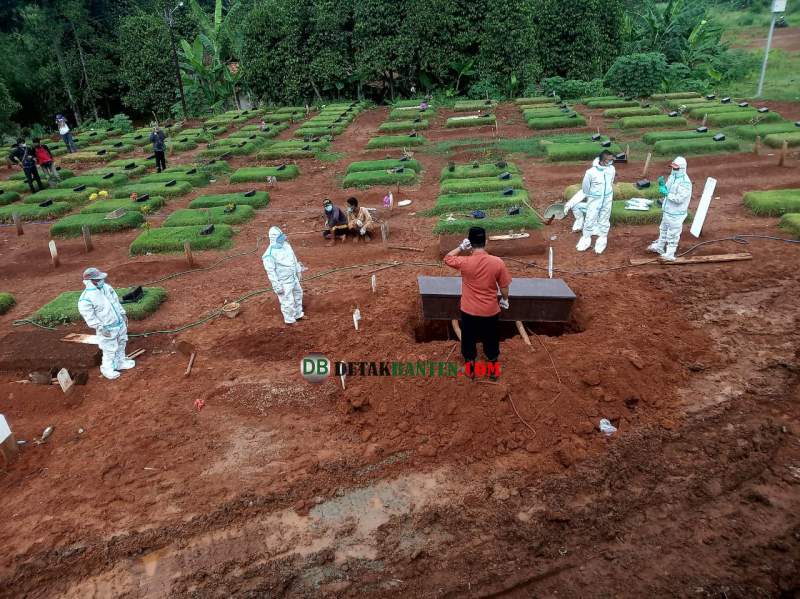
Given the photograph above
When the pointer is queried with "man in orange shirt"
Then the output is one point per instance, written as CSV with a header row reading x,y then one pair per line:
x,y
481,275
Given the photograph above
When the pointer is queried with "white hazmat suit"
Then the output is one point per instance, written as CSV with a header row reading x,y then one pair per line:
x,y
598,187
102,311
284,273
674,210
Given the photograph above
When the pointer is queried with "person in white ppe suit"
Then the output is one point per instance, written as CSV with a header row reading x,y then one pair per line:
x,y
100,307
284,272
677,195
598,187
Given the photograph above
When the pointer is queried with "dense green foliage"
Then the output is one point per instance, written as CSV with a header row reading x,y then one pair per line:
x,y
637,75
7,302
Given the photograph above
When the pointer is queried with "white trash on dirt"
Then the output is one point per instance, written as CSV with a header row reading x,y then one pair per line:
x,y
607,428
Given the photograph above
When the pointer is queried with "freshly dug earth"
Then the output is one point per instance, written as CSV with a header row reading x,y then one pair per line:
x,y
419,487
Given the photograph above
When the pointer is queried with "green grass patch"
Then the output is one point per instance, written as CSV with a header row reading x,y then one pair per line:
x,y
15,186
182,144
120,147
258,200
211,216
259,174
136,139
64,308
61,195
615,103
724,119
675,96
468,105
392,126
380,177
477,201
691,147
561,152
407,103
773,203
64,173
88,157
776,140
196,179
70,226
536,100
171,239
257,133
752,131
104,206
154,189
635,122
403,114
395,141
8,197
544,113
699,111
321,130
789,222
99,181
652,216
480,184
7,302
276,119
132,163
377,165
652,137
622,191
460,122
293,149
496,220
691,103
557,122
617,113
32,212
469,171
245,148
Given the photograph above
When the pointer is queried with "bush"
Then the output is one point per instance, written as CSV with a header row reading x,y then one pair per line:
x,y
724,119
104,206
637,75
496,220
480,184
468,171
61,195
471,105
171,239
197,179
100,181
7,302
775,140
622,191
32,212
8,197
633,111
752,131
258,200
393,126
570,89
376,165
260,173
616,103
477,201
633,122
773,203
154,189
216,216
394,141
652,137
482,89
576,151
690,147
70,226
789,222
557,122
379,177
64,308
460,122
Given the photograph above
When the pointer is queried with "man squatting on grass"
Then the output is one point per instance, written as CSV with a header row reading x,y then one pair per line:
x,y
481,275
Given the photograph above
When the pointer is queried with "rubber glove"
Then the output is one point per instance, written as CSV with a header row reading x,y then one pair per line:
x,y
359,223
465,245
363,230
504,303
662,186
104,332
278,290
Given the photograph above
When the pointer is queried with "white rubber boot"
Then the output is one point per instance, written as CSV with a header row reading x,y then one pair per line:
x,y
600,245
126,364
656,248
584,243
669,255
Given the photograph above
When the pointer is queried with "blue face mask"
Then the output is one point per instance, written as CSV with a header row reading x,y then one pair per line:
x,y
280,240
99,284
328,208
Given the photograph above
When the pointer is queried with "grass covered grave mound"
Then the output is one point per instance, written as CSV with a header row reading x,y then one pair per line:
x,y
164,190
293,149
692,147
495,219
71,226
256,199
475,184
110,179
471,171
561,152
636,122
789,222
171,239
622,191
395,141
387,163
675,96
395,175
536,100
652,137
753,131
61,195
64,173
470,121
105,156
104,206
775,140
7,302
64,308
773,203
33,212
617,113
470,105
477,201
651,216
8,197
616,103
259,174
404,114
15,186
725,119
219,215
194,177
557,122
409,125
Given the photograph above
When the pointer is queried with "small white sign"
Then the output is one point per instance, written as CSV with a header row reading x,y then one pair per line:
x,y
778,5
5,430
702,208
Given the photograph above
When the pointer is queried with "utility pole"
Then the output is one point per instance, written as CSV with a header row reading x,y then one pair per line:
x,y
778,6
170,24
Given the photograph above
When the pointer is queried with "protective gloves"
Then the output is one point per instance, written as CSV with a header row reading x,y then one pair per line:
x,y
104,332
662,186
504,303
359,223
363,230
465,245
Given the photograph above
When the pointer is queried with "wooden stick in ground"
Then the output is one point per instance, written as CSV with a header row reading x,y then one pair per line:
x,y
191,363
87,238
384,233
136,353
694,259
369,272
757,146
18,222
647,164
522,332
628,151
705,120
784,152
456,328
402,247
187,250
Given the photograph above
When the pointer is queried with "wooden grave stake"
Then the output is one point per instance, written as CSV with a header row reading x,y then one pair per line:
x,y
53,253
187,250
757,146
18,222
647,164
87,238
705,119
784,152
522,333
385,233
456,328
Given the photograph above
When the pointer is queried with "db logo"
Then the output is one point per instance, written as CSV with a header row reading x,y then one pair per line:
x,y
315,368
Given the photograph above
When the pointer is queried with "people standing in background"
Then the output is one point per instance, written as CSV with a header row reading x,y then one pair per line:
x,y
157,138
598,187
23,155
65,133
45,159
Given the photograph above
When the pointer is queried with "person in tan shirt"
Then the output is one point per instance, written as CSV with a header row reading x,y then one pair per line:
x,y
359,221
481,276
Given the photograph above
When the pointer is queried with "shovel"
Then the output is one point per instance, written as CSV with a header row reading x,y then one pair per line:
x,y
187,349
554,211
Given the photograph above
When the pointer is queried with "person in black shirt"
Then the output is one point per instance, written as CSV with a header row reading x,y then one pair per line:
x,y
23,155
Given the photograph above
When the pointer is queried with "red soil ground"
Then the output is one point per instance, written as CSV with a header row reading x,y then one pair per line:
x,y
419,487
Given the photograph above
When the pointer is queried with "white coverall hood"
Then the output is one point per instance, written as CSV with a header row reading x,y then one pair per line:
x,y
680,162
